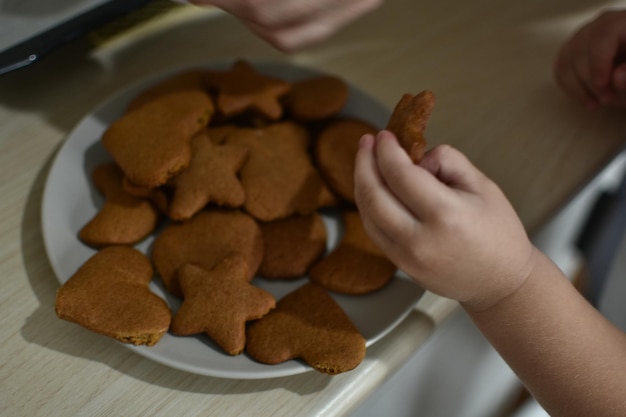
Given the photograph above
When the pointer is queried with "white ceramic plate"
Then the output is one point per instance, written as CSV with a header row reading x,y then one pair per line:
x,y
70,200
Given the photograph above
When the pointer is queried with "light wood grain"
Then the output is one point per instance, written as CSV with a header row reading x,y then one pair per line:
x,y
489,63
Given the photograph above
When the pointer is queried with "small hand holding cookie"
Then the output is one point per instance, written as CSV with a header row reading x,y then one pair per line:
x,y
590,65
292,24
442,222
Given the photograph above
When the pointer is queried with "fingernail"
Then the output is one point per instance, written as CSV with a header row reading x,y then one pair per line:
x,y
366,140
385,134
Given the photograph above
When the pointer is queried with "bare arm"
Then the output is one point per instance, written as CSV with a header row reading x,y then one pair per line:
x,y
569,357
290,25
453,231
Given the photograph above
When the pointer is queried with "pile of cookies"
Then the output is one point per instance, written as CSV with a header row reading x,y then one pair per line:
x,y
231,169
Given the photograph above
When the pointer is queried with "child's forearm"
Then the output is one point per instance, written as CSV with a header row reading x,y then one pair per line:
x,y
570,357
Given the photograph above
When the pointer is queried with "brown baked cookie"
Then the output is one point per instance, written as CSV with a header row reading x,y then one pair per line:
x,y
211,177
317,98
335,153
307,324
279,177
408,122
151,143
219,133
356,265
123,219
219,302
109,295
242,88
204,240
292,245
185,80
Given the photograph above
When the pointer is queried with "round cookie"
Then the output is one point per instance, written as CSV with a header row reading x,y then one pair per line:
x,y
317,98
335,153
204,240
292,245
356,265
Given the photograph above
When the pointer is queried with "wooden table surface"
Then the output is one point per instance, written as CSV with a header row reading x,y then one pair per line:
x,y
489,63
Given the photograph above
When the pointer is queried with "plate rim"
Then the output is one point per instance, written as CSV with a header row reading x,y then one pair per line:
x,y
293,367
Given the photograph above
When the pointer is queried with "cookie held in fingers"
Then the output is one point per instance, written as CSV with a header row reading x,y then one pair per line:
x,y
307,324
109,295
292,245
356,265
151,144
219,303
204,240
123,218
408,122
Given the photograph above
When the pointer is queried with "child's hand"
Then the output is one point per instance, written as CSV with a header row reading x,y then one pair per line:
x,y
590,65
442,222
293,24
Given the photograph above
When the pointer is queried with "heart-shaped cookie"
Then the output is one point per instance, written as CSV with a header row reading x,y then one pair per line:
x,y
307,324
109,294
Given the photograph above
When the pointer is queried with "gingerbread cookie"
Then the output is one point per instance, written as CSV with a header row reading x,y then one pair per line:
x,y
123,219
211,177
317,98
109,295
219,303
307,324
335,153
356,265
204,240
242,88
151,143
185,80
279,177
292,245
408,122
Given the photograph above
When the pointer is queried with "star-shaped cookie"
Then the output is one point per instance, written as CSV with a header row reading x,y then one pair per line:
x,y
408,122
211,177
219,302
242,88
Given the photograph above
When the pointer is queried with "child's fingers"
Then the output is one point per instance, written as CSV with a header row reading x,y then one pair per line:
x,y
376,203
415,187
452,168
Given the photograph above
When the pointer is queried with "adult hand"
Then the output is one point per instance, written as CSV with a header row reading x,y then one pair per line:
x,y
292,24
